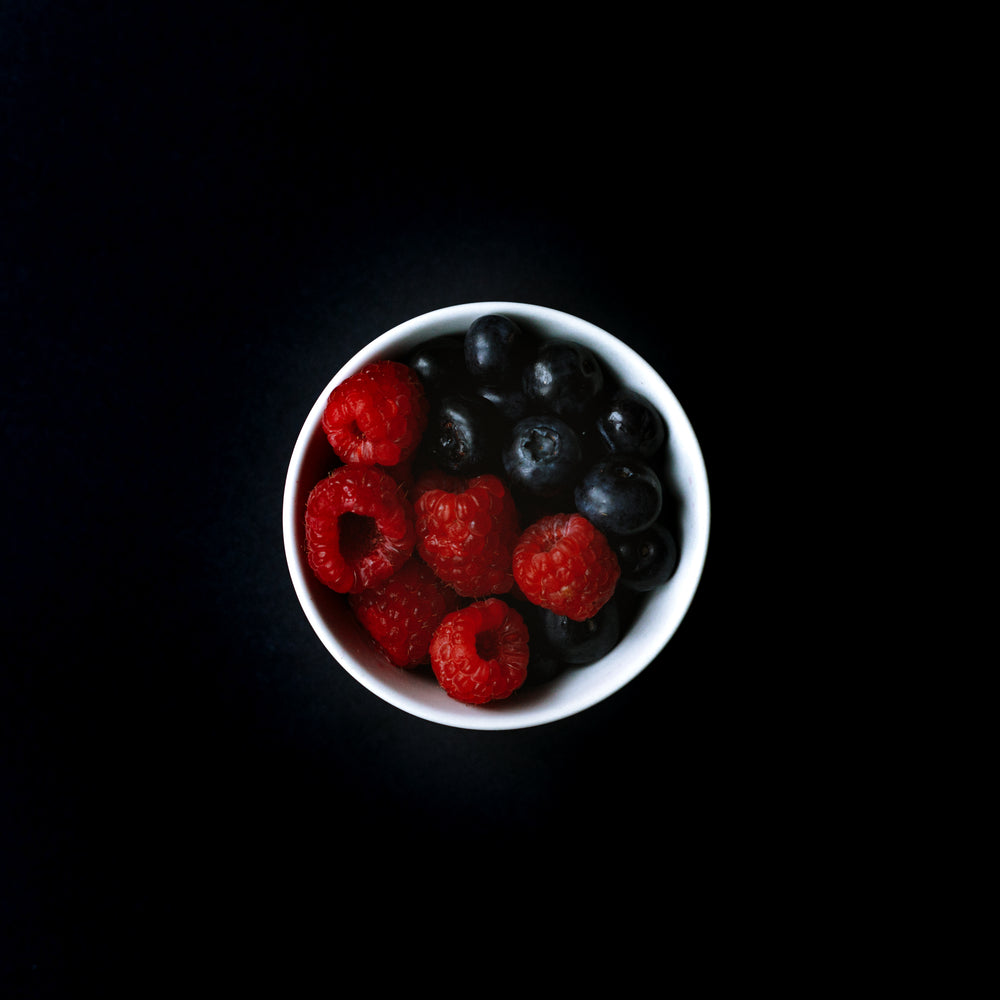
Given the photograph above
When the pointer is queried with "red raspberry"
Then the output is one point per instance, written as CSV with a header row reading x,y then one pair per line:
x,y
359,528
377,415
402,613
466,531
480,653
563,563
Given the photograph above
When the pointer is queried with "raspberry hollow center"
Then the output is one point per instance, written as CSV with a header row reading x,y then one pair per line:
x,y
487,646
357,535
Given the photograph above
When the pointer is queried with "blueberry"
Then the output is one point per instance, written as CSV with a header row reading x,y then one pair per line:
x,y
630,425
543,663
440,362
647,559
460,435
619,496
581,643
496,349
543,666
542,456
565,379
509,400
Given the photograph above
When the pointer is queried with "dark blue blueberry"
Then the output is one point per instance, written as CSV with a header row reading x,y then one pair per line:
x,y
440,362
543,662
647,559
542,456
543,666
496,350
509,400
629,424
461,435
581,643
619,496
565,379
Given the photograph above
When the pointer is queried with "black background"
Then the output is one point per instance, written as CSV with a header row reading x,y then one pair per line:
x,y
208,209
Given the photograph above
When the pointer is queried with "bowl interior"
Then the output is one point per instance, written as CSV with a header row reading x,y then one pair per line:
x,y
660,612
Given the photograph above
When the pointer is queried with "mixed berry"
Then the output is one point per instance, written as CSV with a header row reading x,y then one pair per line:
x,y
494,510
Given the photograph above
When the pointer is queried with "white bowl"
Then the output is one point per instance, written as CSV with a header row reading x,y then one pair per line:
x,y
417,692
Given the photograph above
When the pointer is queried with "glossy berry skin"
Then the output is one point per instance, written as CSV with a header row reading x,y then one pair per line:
x,y
647,559
496,350
543,456
376,416
480,653
563,563
509,400
580,643
628,424
461,435
565,379
440,362
620,496
402,613
359,528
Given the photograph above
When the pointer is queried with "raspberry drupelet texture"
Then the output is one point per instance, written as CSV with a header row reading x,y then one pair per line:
x,y
376,416
359,528
402,613
563,563
466,531
479,653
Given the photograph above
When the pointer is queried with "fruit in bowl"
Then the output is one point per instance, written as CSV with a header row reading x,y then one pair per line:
x,y
503,497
